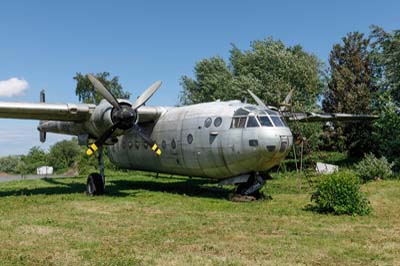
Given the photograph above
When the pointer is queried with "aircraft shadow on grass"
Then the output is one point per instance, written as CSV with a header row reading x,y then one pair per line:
x,y
123,188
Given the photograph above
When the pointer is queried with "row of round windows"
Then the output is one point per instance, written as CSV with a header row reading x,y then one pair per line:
x,y
207,124
163,143
217,122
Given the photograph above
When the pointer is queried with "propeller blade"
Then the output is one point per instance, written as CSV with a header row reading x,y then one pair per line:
x,y
258,100
288,97
103,91
284,106
148,140
142,99
100,141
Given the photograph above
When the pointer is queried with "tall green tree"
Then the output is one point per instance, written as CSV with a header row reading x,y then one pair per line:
x,y
213,80
87,94
386,55
64,153
9,163
35,158
269,69
350,88
386,129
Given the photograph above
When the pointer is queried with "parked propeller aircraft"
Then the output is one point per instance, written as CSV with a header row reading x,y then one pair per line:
x,y
230,141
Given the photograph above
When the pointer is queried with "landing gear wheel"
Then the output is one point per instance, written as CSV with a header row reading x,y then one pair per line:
x,y
250,190
95,185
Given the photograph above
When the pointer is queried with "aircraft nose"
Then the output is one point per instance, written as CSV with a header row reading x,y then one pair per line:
x,y
276,142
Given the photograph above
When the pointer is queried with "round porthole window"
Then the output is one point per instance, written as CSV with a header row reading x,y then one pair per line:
x,y
190,138
164,144
208,122
173,144
217,121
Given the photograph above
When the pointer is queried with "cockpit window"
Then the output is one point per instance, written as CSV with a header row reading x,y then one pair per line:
x,y
238,122
284,122
277,121
251,108
270,112
241,111
265,121
252,122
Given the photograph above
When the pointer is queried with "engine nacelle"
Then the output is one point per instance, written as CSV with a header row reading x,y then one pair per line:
x,y
99,121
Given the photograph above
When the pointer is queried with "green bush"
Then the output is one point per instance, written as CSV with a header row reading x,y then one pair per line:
x,y
340,193
8,164
371,168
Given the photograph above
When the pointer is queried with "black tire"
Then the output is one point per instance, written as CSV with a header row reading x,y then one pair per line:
x,y
95,185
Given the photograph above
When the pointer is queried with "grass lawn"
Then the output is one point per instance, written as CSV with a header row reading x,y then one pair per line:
x,y
181,221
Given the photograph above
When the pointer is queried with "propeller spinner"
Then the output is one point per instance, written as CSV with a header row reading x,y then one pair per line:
x,y
123,116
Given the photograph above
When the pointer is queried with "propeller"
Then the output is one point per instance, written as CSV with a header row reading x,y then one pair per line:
x,y
258,100
103,91
283,107
123,115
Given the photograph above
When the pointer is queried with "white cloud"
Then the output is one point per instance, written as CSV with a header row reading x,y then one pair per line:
x,y
12,87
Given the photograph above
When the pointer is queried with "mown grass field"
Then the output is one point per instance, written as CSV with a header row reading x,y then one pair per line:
x,y
181,221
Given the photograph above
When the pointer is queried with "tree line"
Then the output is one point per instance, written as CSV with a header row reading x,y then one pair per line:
x,y
63,156
363,77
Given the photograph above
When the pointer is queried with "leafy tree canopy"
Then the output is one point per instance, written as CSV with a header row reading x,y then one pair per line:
x,y
86,93
269,69
8,164
64,153
386,130
350,89
35,158
386,55
351,80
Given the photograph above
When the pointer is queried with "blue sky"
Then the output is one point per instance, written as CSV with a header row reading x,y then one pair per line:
x,y
47,42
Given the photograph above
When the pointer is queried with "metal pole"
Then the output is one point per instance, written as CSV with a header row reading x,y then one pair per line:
x,y
101,163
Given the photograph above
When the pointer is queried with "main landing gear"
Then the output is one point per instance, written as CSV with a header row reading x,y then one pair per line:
x,y
250,190
95,184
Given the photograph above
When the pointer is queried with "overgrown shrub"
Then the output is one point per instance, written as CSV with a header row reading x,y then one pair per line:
x,y
340,193
386,130
8,164
372,168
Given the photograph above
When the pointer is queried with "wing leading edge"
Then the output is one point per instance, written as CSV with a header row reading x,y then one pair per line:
x,y
46,111
315,117
66,112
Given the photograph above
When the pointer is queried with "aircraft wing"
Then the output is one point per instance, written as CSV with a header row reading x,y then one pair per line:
x,y
46,111
66,112
316,117
151,113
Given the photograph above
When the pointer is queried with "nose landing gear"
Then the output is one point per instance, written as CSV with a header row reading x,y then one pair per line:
x,y
250,190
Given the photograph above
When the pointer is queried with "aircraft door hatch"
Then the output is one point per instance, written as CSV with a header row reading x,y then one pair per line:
x,y
190,137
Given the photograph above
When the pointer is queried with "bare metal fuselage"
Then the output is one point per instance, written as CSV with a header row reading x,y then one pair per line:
x,y
212,140
191,147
